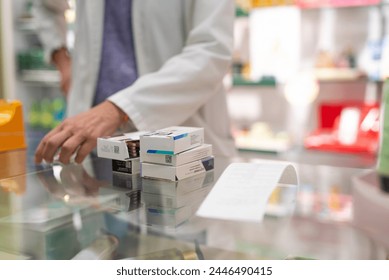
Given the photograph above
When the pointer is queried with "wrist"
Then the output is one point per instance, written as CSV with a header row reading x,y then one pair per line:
x,y
60,57
120,114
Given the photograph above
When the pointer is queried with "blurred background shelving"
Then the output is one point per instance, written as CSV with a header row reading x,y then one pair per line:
x,y
316,54
36,82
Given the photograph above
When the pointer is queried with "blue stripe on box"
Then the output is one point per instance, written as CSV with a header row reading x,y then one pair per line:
x,y
180,136
159,152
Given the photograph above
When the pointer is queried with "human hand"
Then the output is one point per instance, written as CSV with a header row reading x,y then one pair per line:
x,y
78,135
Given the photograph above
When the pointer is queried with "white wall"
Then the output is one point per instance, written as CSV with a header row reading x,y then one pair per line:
x,y
7,53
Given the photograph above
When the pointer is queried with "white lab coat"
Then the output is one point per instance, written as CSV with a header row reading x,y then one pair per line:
x,y
182,48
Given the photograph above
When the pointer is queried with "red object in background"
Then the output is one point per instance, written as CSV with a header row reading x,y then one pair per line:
x,y
326,136
334,3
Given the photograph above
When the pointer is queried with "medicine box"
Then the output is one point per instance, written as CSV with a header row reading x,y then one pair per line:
x,y
172,140
131,166
174,173
121,147
197,153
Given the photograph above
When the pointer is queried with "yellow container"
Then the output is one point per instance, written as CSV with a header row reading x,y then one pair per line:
x,y
12,135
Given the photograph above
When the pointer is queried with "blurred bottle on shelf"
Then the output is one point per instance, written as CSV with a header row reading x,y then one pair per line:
x,y
46,113
383,155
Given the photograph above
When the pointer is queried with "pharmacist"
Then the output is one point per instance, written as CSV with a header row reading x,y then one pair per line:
x,y
141,65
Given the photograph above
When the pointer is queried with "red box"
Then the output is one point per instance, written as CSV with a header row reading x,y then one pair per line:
x,y
326,136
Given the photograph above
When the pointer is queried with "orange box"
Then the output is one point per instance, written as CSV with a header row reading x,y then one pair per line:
x,y
12,135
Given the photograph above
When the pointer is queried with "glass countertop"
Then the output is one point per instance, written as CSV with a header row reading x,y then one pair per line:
x,y
89,212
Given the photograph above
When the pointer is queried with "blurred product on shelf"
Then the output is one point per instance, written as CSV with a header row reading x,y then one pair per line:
x,y
324,60
260,137
32,59
12,132
309,4
383,155
271,3
351,127
46,113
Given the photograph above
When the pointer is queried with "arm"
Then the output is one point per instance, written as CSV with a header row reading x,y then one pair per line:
x,y
186,81
51,28
63,63
51,24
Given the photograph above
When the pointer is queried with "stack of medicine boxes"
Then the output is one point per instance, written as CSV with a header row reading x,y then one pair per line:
x,y
174,163
175,153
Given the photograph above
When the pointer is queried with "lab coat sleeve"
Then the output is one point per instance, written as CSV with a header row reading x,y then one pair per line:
x,y
51,24
186,81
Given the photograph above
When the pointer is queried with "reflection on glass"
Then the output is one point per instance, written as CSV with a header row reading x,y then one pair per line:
x,y
282,201
170,254
170,204
102,248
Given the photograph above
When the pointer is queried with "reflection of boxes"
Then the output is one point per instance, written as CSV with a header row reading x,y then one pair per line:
x,y
126,181
121,147
175,188
171,217
11,126
172,140
173,173
197,153
131,166
176,201
51,237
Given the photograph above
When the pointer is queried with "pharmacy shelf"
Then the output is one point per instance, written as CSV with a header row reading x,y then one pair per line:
x,y
338,74
264,82
49,78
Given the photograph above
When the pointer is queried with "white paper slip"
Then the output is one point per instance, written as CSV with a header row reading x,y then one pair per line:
x,y
242,191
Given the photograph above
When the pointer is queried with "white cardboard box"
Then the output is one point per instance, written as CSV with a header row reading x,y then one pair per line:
x,y
116,147
172,140
174,173
197,153
131,166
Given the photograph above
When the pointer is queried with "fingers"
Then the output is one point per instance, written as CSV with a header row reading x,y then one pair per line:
x,y
85,149
78,134
46,141
69,147
66,142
